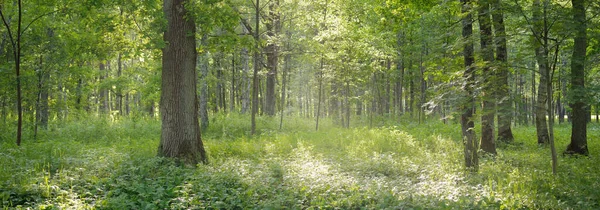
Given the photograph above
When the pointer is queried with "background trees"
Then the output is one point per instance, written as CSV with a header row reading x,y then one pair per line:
x,y
342,60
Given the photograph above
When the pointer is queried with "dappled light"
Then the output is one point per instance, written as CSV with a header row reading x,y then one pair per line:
x,y
299,104
401,166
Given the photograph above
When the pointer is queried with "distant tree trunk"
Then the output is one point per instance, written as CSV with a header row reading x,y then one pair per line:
x,y
320,78
468,107
42,112
286,61
578,143
246,81
180,136
256,68
219,92
232,90
203,97
559,103
541,55
346,96
103,109
119,93
488,143
504,103
400,78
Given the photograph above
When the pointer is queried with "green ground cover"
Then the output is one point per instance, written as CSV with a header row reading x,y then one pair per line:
x,y
102,164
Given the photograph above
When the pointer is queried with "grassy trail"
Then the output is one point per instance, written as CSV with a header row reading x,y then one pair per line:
x,y
99,164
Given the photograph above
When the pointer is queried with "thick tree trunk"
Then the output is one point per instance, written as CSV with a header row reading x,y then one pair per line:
x,y
504,103
180,136
488,143
468,107
581,115
272,56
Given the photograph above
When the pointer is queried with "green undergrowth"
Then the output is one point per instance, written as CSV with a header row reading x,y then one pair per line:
x,y
102,164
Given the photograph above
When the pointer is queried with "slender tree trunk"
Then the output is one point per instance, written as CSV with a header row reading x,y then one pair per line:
x,y
504,103
286,61
43,79
320,78
16,44
246,87
488,143
232,90
119,93
203,97
180,136
468,107
541,54
400,69
578,143
256,68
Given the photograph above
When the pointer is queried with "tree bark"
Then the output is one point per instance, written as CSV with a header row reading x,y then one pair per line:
x,y
468,107
541,55
272,56
180,136
16,44
578,143
246,81
400,78
488,143
203,97
256,68
504,103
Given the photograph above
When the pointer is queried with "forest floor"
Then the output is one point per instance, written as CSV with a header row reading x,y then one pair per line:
x,y
102,164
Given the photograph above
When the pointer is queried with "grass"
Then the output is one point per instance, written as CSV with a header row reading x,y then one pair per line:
x,y
102,164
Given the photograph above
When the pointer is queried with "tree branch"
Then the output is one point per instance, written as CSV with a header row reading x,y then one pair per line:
x,y
35,19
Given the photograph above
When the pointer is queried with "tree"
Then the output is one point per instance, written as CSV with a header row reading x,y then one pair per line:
x,y
504,102
15,40
540,33
578,143
466,120
180,137
488,143
272,51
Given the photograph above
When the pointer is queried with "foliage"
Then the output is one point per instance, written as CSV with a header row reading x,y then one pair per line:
x,y
102,164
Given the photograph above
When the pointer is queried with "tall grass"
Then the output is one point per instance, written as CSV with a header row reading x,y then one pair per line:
x,y
106,164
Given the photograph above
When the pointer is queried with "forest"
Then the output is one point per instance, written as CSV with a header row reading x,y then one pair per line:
x,y
300,104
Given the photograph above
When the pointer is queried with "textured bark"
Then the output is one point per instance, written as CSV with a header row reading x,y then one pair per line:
x,y
272,56
488,143
180,136
468,107
541,55
505,102
578,143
